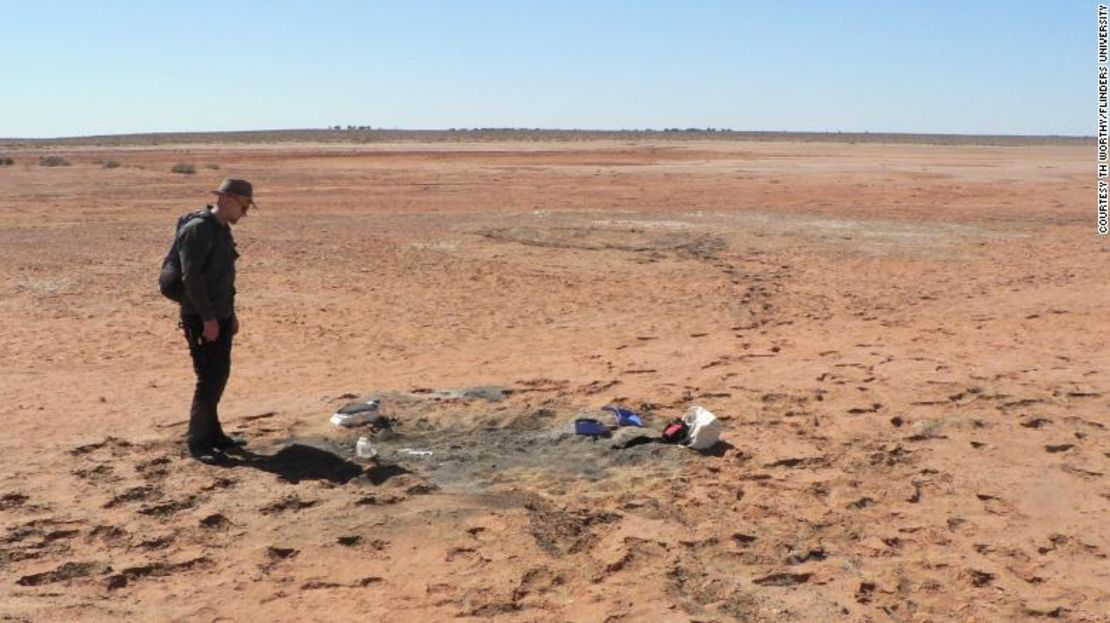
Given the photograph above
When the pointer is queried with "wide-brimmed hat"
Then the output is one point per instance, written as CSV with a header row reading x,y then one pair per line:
x,y
237,186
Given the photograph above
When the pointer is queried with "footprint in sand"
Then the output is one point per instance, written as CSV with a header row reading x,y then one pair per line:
x,y
141,493
862,503
112,443
537,581
380,500
112,536
465,553
154,469
42,531
158,541
167,509
67,571
979,578
805,555
12,500
287,503
280,553
220,483
783,579
215,521
99,475
865,592
1086,474
596,387
993,504
155,569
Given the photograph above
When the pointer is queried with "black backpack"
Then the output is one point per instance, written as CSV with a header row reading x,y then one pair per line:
x,y
169,280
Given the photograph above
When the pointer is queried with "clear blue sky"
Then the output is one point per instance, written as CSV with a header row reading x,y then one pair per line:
x,y
85,67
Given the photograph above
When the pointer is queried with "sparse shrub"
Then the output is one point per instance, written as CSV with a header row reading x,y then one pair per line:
x,y
6,161
184,169
213,166
53,161
110,164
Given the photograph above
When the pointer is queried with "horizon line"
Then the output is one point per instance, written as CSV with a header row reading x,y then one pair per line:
x,y
356,129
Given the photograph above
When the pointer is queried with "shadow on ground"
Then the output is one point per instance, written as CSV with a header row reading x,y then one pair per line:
x,y
297,462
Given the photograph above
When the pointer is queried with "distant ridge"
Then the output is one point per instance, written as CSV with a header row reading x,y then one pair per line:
x,y
357,136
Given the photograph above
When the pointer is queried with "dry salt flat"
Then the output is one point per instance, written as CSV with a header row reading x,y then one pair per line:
x,y
905,342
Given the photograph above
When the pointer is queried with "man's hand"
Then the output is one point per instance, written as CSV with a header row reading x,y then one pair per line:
x,y
234,325
211,330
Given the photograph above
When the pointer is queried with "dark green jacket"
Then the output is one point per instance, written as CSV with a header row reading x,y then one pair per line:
x,y
208,255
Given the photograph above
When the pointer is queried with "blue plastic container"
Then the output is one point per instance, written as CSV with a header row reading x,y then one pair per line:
x,y
590,428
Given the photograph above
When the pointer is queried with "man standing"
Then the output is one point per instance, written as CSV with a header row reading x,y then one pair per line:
x,y
207,253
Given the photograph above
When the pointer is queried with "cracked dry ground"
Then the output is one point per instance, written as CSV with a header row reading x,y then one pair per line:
x,y
907,345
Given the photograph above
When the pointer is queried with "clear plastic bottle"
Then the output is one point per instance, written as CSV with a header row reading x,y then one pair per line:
x,y
364,450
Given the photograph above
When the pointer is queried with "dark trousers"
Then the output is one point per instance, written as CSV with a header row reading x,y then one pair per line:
x,y
212,364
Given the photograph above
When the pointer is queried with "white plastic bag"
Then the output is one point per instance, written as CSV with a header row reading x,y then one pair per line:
x,y
704,428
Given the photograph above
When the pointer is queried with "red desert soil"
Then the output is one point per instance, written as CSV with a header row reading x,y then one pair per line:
x,y
907,345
